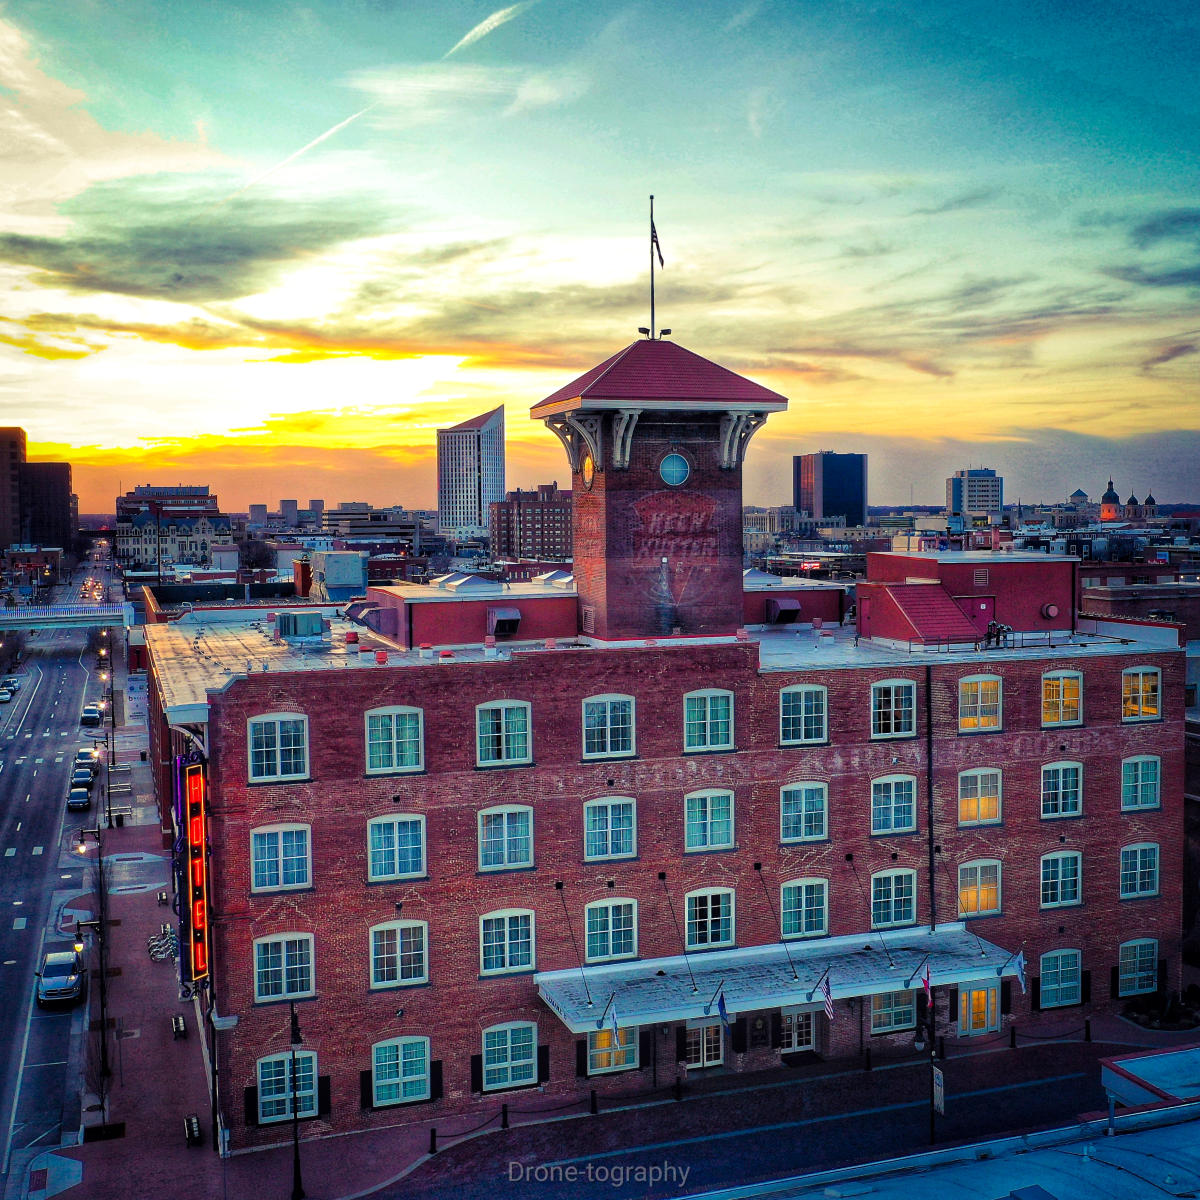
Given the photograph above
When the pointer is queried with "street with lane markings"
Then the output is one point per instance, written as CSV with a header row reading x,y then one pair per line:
x,y
40,870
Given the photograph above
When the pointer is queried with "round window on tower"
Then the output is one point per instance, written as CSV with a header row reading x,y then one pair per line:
x,y
674,469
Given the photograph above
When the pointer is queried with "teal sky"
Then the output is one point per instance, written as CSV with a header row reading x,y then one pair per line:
x,y
949,233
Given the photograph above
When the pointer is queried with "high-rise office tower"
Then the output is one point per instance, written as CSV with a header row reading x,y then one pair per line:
x,y
470,461
12,459
46,510
827,484
975,491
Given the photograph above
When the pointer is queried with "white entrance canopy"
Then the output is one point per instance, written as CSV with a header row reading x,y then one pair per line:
x,y
783,974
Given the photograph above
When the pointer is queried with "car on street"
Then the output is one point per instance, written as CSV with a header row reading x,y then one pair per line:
x,y
12,682
5,696
91,715
60,979
89,757
78,799
81,777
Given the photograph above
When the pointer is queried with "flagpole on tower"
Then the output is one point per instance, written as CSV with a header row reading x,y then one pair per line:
x,y
653,239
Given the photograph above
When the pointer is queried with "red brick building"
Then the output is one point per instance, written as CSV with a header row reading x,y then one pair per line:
x,y
659,819
531,525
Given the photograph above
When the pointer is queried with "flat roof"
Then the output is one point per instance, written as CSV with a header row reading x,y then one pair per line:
x,y
984,557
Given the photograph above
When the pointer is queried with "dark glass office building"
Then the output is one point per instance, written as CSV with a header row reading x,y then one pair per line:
x,y
827,485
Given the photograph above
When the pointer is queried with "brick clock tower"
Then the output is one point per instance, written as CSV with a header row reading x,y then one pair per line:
x,y
656,436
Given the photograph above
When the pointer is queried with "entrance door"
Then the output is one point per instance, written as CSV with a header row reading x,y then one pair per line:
x,y
798,1031
705,1046
978,1010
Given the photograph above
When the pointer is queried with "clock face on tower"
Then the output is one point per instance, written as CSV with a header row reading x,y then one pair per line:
x,y
587,469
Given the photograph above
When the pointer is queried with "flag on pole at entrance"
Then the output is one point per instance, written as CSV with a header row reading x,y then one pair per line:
x,y
1020,965
926,983
827,996
724,1012
654,243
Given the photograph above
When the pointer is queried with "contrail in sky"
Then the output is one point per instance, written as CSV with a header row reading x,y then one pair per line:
x,y
500,17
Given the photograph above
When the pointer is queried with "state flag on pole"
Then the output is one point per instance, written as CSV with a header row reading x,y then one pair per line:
x,y
827,996
654,243
616,1026
724,1012
1020,965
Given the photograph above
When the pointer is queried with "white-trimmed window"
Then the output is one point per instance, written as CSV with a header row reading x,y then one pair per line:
x,y
610,828
804,908
278,747
502,733
1062,789
610,1050
1062,698
979,699
979,888
708,721
1061,980
979,793
283,967
399,1071
610,929
1061,875
803,715
505,838
1139,870
396,847
708,820
608,727
893,708
395,740
709,918
893,804
398,954
1137,967
1140,782
509,1055
276,1087
803,812
280,858
893,899
1141,698
506,941
892,1012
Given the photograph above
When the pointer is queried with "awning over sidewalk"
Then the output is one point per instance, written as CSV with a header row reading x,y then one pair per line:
x,y
784,974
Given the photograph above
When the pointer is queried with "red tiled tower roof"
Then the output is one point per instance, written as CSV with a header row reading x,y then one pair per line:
x,y
652,370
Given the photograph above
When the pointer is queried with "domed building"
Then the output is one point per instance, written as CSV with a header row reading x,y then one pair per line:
x,y
1110,504
1150,506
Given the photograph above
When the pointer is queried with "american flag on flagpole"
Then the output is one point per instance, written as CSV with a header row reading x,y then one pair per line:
x,y
926,983
827,996
654,243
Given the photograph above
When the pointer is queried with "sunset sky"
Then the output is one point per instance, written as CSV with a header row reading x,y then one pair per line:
x,y
271,247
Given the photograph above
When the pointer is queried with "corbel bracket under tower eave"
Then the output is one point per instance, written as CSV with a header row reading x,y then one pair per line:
x,y
623,426
736,431
576,433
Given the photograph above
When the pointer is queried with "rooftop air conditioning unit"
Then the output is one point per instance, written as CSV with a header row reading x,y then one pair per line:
x,y
782,610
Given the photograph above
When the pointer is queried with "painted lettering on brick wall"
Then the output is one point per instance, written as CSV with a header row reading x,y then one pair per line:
x,y
674,526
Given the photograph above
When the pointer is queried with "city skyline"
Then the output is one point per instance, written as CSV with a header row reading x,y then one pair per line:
x,y
946,233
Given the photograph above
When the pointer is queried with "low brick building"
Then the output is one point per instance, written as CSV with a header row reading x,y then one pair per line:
x,y
611,830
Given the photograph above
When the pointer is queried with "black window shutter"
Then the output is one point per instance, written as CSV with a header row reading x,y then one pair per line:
x,y
952,1004
366,1090
1162,974
477,1072
739,1036
1114,982
436,1090
581,1057
543,1064
776,1030
681,1043
646,1047
1005,996
1085,987
252,1106
1035,993
323,1102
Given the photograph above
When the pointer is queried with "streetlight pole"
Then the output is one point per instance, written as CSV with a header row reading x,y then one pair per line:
x,y
98,926
298,1192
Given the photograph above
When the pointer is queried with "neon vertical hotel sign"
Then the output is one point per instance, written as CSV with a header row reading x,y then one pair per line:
x,y
196,814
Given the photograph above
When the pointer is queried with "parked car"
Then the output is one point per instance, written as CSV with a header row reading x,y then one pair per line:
x,y
89,757
91,715
78,799
5,696
81,777
12,682
60,977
